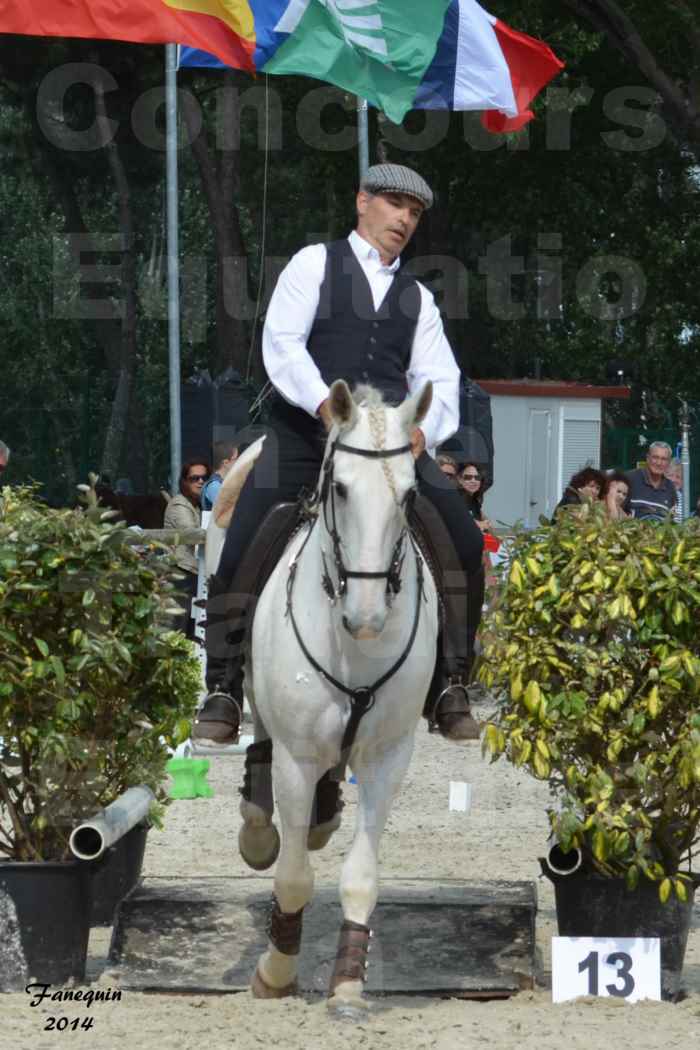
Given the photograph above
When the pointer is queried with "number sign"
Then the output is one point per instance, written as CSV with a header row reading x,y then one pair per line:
x,y
621,967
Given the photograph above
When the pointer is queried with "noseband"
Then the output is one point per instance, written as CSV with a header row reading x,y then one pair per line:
x,y
393,573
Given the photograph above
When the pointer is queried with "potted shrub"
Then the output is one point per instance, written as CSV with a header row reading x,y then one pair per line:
x,y
92,682
594,651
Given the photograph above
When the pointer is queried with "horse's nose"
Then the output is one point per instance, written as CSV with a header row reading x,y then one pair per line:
x,y
365,630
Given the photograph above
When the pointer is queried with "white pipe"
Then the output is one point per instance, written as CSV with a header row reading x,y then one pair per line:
x,y
89,840
561,863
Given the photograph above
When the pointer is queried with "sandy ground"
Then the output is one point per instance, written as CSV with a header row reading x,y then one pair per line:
x,y
500,837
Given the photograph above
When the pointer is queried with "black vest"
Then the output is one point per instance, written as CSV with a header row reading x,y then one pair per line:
x,y
351,340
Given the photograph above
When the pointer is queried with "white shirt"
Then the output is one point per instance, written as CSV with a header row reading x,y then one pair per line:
x,y
290,317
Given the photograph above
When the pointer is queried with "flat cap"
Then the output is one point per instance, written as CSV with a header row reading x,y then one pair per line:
x,y
395,178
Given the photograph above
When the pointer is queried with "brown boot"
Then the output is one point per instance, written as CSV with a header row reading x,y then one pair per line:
x,y
451,716
218,720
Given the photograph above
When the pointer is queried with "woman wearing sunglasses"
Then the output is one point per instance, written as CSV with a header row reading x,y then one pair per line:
x,y
471,482
184,513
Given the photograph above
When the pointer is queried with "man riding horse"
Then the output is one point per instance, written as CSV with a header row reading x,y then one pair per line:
x,y
346,310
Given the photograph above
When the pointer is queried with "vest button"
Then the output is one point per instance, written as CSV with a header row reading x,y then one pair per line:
x,y
370,357
365,375
375,324
372,339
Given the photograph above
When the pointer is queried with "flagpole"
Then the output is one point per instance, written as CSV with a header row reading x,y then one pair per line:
x,y
173,262
362,137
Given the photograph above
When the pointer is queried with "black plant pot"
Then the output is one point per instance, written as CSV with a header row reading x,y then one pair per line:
x,y
44,922
116,874
590,905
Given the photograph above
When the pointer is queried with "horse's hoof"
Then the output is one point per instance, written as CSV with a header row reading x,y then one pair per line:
x,y
354,1009
259,846
262,990
319,836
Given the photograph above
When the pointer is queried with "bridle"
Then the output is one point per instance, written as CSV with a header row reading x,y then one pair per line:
x,y
327,496
362,698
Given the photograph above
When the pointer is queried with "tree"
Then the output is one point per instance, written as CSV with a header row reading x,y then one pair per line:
x,y
669,60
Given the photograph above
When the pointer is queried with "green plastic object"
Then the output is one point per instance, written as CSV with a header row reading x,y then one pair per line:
x,y
189,778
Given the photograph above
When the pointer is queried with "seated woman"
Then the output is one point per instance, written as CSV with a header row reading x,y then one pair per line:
x,y
471,482
585,486
617,489
183,514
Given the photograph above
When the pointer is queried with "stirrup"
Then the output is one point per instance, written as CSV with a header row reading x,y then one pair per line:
x,y
456,701
218,719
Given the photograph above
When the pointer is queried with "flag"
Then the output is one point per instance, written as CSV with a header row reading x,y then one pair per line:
x,y
482,64
223,27
378,49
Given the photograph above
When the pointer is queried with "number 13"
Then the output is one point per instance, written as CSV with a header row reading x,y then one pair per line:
x,y
622,961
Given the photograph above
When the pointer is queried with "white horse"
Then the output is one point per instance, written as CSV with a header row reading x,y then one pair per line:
x,y
348,608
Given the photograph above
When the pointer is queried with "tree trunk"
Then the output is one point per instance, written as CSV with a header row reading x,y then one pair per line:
x,y
220,188
117,426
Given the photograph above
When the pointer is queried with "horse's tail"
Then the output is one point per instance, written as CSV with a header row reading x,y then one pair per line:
x,y
225,504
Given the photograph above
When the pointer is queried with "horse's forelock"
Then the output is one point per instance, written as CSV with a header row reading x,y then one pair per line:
x,y
366,396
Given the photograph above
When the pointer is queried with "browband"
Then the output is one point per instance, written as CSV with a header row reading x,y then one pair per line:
x,y
371,453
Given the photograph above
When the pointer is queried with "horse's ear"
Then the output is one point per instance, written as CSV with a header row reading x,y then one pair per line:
x,y
415,409
341,404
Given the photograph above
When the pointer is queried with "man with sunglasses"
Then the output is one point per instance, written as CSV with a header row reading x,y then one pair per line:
x,y
346,310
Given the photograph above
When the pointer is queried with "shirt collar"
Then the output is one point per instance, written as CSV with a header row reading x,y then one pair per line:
x,y
662,484
364,250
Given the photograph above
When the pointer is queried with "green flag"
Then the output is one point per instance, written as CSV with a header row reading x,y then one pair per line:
x,y
378,49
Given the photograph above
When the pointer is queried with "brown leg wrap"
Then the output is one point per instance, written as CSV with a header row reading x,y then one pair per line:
x,y
351,957
257,779
285,929
328,800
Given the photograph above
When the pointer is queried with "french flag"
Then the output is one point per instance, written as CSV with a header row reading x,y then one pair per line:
x,y
483,64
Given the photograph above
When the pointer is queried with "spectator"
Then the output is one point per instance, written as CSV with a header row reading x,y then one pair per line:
x,y
225,455
183,514
652,495
675,474
471,482
616,494
447,465
585,486
4,456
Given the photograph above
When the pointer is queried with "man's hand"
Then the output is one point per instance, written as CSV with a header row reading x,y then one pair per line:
x,y
324,414
417,442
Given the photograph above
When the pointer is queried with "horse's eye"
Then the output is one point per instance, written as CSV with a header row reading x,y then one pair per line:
x,y
340,490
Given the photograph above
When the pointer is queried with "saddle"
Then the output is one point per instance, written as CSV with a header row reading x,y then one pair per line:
x,y
284,519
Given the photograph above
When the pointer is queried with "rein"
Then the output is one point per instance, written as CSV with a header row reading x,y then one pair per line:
x,y
363,697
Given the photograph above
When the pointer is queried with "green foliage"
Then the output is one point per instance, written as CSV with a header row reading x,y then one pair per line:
x,y
92,677
595,647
